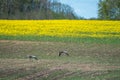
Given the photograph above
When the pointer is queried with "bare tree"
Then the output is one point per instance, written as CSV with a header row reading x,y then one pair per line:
x,y
35,9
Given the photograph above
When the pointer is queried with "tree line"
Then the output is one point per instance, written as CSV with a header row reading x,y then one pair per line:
x,y
109,9
53,9
35,9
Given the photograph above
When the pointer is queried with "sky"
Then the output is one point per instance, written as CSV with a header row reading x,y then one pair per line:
x,y
83,8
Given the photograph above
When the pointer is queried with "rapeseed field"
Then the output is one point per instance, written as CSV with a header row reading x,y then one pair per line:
x,y
60,28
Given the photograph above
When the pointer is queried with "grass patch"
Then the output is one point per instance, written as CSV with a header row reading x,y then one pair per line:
x,y
97,75
109,40
14,74
79,52
87,61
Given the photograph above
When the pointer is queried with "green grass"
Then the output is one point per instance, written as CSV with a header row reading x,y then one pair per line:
x,y
109,40
98,75
90,58
79,52
15,74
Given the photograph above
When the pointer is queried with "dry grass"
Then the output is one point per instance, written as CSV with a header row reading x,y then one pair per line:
x,y
84,60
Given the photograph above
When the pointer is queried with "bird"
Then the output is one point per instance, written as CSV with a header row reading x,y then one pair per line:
x,y
63,52
32,57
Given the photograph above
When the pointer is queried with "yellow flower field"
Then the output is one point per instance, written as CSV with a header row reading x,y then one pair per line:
x,y
60,28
